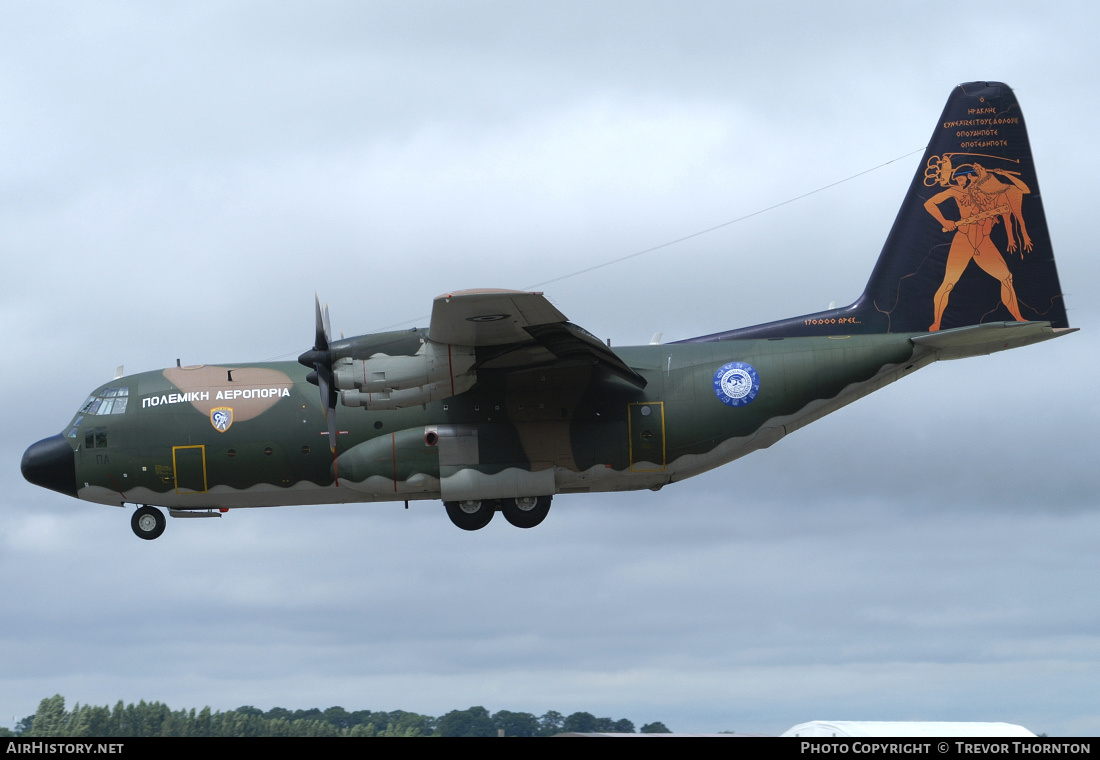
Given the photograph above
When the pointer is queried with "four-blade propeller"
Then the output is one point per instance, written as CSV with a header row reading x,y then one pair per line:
x,y
320,359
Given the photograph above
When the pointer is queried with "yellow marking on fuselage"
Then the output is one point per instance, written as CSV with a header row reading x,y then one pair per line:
x,y
175,468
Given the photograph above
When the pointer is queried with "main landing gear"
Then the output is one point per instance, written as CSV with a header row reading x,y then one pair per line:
x,y
523,512
148,523
526,511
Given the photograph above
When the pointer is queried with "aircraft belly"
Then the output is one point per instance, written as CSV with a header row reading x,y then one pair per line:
x,y
511,482
259,495
603,478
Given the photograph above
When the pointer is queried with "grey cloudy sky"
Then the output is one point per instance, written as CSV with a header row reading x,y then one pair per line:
x,y
178,179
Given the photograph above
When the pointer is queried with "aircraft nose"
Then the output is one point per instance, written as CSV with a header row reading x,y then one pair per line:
x,y
51,463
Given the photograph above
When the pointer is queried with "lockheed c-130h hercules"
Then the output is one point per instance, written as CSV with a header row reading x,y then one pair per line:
x,y
502,403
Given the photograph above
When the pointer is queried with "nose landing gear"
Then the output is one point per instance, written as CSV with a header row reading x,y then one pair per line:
x,y
148,523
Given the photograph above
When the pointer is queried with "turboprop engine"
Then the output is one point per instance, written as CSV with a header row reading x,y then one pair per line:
x,y
437,371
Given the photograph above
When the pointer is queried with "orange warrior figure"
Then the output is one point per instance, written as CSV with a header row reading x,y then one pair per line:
x,y
981,197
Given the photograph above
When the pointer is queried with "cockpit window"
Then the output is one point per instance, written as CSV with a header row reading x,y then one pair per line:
x,y
107,401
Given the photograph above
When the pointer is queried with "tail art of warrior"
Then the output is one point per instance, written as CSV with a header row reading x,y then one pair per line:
x,y
981,197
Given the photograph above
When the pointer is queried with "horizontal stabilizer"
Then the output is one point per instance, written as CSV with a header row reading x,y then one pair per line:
x,y
979,340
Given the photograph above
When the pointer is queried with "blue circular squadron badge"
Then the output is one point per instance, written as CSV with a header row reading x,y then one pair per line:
x,y
736,384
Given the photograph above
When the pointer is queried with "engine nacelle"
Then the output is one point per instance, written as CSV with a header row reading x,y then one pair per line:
x,y
405,397
433,364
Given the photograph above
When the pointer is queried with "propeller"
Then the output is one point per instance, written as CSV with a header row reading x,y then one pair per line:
x,y
320,359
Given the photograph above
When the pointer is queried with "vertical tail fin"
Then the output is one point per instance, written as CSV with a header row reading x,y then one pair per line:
x,y
970,243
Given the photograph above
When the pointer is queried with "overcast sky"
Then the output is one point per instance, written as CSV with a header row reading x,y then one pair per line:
x,y
177,180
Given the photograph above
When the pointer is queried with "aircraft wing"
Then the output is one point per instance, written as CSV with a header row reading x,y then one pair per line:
x,y
489,317
515,330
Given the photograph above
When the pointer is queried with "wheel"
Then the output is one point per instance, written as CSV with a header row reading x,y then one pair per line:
x,y
148,523
470,515
526,511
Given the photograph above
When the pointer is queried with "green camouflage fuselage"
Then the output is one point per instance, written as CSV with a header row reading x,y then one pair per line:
x,y
534,432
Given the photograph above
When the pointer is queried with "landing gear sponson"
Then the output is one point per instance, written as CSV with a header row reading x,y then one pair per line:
x,y
522,512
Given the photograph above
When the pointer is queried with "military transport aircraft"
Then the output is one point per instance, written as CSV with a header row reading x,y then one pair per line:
x,y
501,402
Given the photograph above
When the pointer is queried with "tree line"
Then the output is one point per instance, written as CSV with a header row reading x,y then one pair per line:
x,y
157,719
